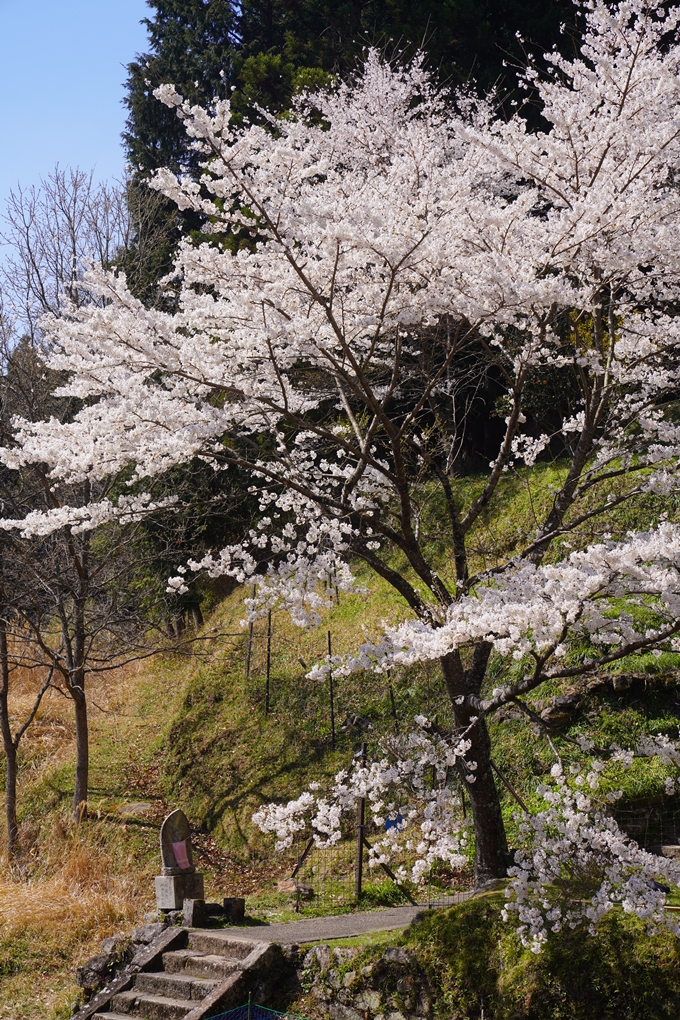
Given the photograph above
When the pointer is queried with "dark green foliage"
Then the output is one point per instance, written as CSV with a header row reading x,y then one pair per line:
x,y
265,49
190,42
478,968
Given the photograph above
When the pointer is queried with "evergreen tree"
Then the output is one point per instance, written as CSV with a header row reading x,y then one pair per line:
x,y
260,51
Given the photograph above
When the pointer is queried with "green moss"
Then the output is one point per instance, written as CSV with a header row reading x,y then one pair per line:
x,y
478,968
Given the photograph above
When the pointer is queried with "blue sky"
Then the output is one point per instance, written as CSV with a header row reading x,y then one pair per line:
x,y
61,74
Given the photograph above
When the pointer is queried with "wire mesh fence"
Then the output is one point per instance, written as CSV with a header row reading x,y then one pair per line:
x,y
341,877
327,875
651,824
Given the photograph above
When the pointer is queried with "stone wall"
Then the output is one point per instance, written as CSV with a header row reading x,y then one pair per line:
x,y
348,984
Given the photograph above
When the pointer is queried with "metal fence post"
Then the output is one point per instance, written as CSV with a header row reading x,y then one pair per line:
x,y
332,694
269,660
250,641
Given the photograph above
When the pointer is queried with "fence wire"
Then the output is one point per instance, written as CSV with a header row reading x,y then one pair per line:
x,y
650,824
327,878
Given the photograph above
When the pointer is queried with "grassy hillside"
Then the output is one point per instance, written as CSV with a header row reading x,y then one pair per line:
x,y
193,732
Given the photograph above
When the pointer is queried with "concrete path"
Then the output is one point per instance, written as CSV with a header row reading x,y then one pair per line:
x,y
322,929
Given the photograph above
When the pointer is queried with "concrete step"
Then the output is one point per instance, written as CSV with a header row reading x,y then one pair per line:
x,y
124,1002
205,965
111,1016
161,1007
174,986
219,944
153,1007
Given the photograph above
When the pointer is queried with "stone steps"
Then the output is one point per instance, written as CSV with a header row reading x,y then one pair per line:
x,y
197,964
112,1016
218,944
202,971
155,1007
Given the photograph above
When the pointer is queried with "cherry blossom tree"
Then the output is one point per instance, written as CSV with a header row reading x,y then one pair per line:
x,y
373,256
573,865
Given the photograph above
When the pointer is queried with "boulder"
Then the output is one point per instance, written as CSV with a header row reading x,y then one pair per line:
x,y
93,974
562,709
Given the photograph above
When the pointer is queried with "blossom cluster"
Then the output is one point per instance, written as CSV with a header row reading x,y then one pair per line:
x,y
576,864
411,794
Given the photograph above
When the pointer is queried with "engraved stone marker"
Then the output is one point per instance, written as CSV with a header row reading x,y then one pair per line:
x,y
179,880
176,844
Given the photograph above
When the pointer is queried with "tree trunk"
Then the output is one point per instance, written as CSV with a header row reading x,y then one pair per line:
x,y
9,748
11,798
82,756
491,846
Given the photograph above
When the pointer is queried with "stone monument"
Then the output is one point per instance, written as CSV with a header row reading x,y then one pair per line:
x,y
179,880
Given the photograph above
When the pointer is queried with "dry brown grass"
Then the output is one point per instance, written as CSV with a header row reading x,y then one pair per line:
x,y
72,885
49,925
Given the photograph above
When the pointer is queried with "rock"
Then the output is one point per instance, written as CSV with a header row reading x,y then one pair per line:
x,y
369,1000
293,888
340,1012
148,932
138,808
424,1005
193,914
323,956
114,945
343,955
395,955
355,723
621,682
348,978
94,973
562,709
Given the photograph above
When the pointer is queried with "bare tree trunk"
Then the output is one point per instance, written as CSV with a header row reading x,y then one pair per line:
x,y
82,755
80,556
491,845
10,749
11,797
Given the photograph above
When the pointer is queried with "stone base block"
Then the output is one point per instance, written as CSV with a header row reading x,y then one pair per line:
x,y
234,909
173,890
194,914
